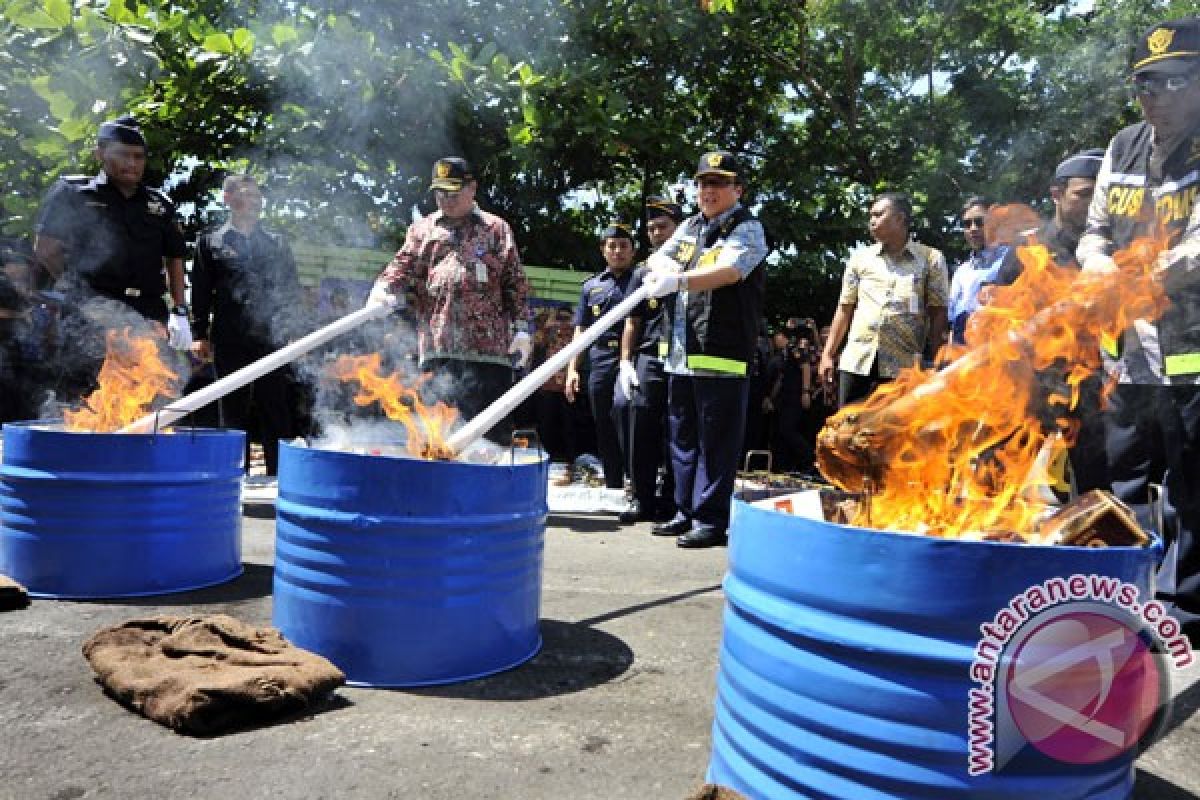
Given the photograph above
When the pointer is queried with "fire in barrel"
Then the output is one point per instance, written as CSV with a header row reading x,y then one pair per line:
x,y
89,513
401,566
921,648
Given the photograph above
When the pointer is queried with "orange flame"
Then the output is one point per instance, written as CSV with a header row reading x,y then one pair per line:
x,y
427,426
132,377
956,453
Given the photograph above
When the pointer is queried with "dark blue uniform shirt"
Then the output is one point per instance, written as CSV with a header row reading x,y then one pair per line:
x,y
599,294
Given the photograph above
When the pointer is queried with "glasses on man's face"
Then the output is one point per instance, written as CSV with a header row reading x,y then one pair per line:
x,y
973,222
714,183
446,194
1153,84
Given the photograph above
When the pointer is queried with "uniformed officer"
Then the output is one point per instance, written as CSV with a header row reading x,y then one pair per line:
x,y
713,266
112,236
640,403
1147,186
600,293
245,296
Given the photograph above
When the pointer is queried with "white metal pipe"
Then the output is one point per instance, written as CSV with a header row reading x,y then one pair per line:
x,y
234,380
483,422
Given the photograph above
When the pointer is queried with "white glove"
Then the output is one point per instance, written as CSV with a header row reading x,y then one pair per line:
x,y
627,378
523,346
179,331
382,295
660,284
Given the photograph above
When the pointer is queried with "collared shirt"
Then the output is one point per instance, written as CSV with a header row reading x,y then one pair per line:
x,y
652,336
892,298
113,243
467,285
599,294
743,249
245,290
981,267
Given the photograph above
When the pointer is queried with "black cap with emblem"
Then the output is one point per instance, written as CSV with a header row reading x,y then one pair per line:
x,y
662,207
451,173
1172,47
617,230
719,162
122,130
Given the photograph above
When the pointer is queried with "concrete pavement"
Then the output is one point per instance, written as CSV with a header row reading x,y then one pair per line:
x,y
618,704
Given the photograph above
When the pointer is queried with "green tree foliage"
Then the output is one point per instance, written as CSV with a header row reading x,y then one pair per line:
x,y
574,110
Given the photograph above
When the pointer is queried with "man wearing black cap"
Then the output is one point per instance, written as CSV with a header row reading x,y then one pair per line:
x,y
460,268
1147,186
640,404
112,236
1071,192
599,294
713,266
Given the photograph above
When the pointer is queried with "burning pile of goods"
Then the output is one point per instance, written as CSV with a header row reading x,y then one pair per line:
x,y
960,453
131,381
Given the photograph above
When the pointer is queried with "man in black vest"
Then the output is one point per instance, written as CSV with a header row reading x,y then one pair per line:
x,y
1147,186
246,299
713,267
640,404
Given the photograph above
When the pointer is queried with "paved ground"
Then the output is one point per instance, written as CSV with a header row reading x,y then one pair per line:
x,y
618,704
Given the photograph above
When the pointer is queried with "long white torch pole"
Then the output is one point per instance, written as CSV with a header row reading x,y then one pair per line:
x,y
483,422
218,389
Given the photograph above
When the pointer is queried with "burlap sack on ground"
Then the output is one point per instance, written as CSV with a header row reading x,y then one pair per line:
x,y
12,594
206,675
710,791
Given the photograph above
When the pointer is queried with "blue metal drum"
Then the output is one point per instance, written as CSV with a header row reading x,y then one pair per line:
x,y
93,515
406,572
847,658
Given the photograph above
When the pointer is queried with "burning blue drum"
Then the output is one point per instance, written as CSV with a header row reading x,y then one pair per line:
x,y
406,572
94,515
856,664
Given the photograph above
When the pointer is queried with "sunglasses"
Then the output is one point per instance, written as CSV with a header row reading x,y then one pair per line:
x,y
1153,85
714,183
973,222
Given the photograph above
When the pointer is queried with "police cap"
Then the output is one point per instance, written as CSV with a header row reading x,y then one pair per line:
x,y
617,230
719,162
662,207
122,130
451,173
1172,46
1080,165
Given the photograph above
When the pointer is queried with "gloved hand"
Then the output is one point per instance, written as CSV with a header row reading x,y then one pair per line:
x,y
179,331
627,378
382,295
1099,263
523,346
661,283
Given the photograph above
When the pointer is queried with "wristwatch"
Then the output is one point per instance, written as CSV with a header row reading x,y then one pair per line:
x,y
180,310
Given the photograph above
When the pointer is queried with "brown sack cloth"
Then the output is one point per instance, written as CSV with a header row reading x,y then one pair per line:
x,y
12,594
710,791
205,675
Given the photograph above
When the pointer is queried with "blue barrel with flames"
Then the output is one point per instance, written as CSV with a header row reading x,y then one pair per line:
x,y
867,664
95,515
407,572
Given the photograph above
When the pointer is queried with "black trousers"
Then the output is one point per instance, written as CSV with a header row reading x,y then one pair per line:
x,y
641,423
705,416
602,383
556,424
263,401
853,387
1152,435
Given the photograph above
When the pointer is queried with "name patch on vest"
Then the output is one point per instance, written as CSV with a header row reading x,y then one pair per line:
x,y
1125,201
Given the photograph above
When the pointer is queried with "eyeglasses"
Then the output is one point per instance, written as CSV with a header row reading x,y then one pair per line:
x,y
714,183
1152,85
973,222
446,194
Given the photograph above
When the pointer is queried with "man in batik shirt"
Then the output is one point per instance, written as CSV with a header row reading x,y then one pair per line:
x,y
460,271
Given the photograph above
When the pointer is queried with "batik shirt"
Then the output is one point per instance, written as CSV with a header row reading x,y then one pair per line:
x,y
466,284
892,298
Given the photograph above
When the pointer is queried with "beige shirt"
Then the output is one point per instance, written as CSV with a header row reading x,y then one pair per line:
x,y
892,297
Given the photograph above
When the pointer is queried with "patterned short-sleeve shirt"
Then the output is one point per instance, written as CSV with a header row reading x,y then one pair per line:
x,y
892,298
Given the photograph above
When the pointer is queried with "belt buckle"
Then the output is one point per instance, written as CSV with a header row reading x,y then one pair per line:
x,y
132,292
